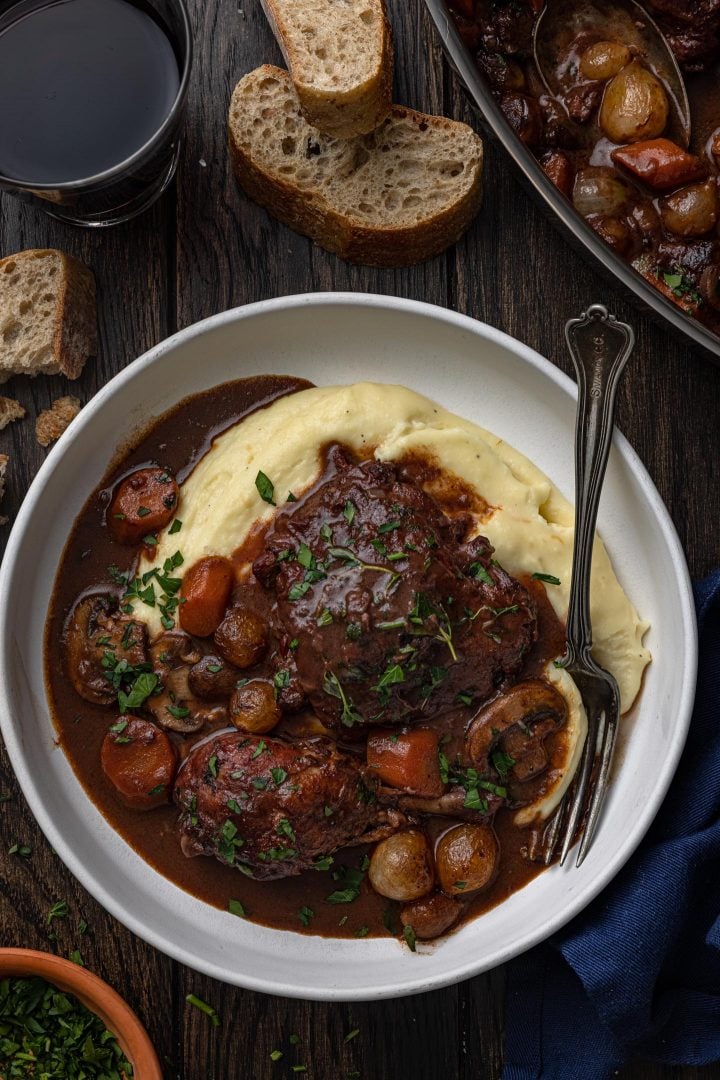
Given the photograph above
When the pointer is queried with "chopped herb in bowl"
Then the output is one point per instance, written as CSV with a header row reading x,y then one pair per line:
x,y
46,1034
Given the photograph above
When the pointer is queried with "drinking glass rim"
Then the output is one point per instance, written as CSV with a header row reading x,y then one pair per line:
x,y
101,178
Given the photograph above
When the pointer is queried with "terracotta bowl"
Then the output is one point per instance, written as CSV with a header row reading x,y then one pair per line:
x,y
97,996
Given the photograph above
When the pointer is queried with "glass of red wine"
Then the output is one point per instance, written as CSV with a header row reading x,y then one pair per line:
x,y
92,95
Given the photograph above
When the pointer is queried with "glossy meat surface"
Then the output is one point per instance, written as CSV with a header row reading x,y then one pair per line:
x,y
394,616
274,808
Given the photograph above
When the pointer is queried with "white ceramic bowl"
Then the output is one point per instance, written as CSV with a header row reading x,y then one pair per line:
x,y
475,371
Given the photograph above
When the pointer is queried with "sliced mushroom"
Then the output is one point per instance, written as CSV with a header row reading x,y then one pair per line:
x,y
525,706
96,638
175,708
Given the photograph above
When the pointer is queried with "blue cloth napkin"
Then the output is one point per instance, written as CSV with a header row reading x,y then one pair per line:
x,y
637,974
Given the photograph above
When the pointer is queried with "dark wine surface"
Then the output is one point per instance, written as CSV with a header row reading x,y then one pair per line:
x,y
84,84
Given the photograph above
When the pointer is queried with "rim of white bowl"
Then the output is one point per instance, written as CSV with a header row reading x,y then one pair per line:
x,y
418,984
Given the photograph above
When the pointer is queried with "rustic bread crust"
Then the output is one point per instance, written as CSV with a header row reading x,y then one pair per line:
x,y
310,213
73,332
344,114
76,334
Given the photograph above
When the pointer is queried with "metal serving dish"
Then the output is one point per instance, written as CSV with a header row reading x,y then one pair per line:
x,y
580,235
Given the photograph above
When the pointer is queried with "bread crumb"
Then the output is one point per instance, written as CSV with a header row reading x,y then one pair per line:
x,y
3,466
51,423
10,410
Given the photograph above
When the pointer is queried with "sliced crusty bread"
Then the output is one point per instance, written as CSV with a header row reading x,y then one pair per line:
x,y
48,320
392,198
341,60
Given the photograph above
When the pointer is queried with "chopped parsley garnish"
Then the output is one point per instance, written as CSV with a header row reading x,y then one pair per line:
x,y
261,748
279,776
351,879
333,686
682,286
175,527
324,862
228,841
213,765
346,555
298,590
305,914
326,618
472,781
203,1006
143,589
281,680
389,526
502,763
157,790
277,854
328,811
59,910
236,908
353,632
392,675
410,938
305,557
265,488
549,579
349,512
284,828
143,511
477,570
24,851
326,532
178,711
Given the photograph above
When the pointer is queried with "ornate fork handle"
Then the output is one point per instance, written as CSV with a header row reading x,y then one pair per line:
x,y
600,346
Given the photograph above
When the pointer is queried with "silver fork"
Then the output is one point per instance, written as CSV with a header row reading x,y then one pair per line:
x,y
600,346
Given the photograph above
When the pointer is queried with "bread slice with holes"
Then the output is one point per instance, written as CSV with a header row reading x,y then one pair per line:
x,y
340,57
392,198
48,319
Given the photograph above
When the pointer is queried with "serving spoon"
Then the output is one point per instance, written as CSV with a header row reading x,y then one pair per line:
x,y
624,21
600,346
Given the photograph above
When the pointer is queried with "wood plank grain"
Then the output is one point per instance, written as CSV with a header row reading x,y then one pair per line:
x,y
131,268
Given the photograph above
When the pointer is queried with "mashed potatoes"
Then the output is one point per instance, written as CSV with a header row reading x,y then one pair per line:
x,y
528,521
525,517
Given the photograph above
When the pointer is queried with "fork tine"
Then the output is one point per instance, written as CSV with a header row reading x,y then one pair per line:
x,y
599,791
581,786
552,831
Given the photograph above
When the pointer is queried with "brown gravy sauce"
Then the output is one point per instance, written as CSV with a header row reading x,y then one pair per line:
x,y
177,441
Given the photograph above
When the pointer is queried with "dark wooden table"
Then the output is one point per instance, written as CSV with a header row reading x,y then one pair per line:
x,y
205,248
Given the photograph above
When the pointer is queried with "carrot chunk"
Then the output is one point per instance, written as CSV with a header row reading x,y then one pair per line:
x,y
407,760
660,164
